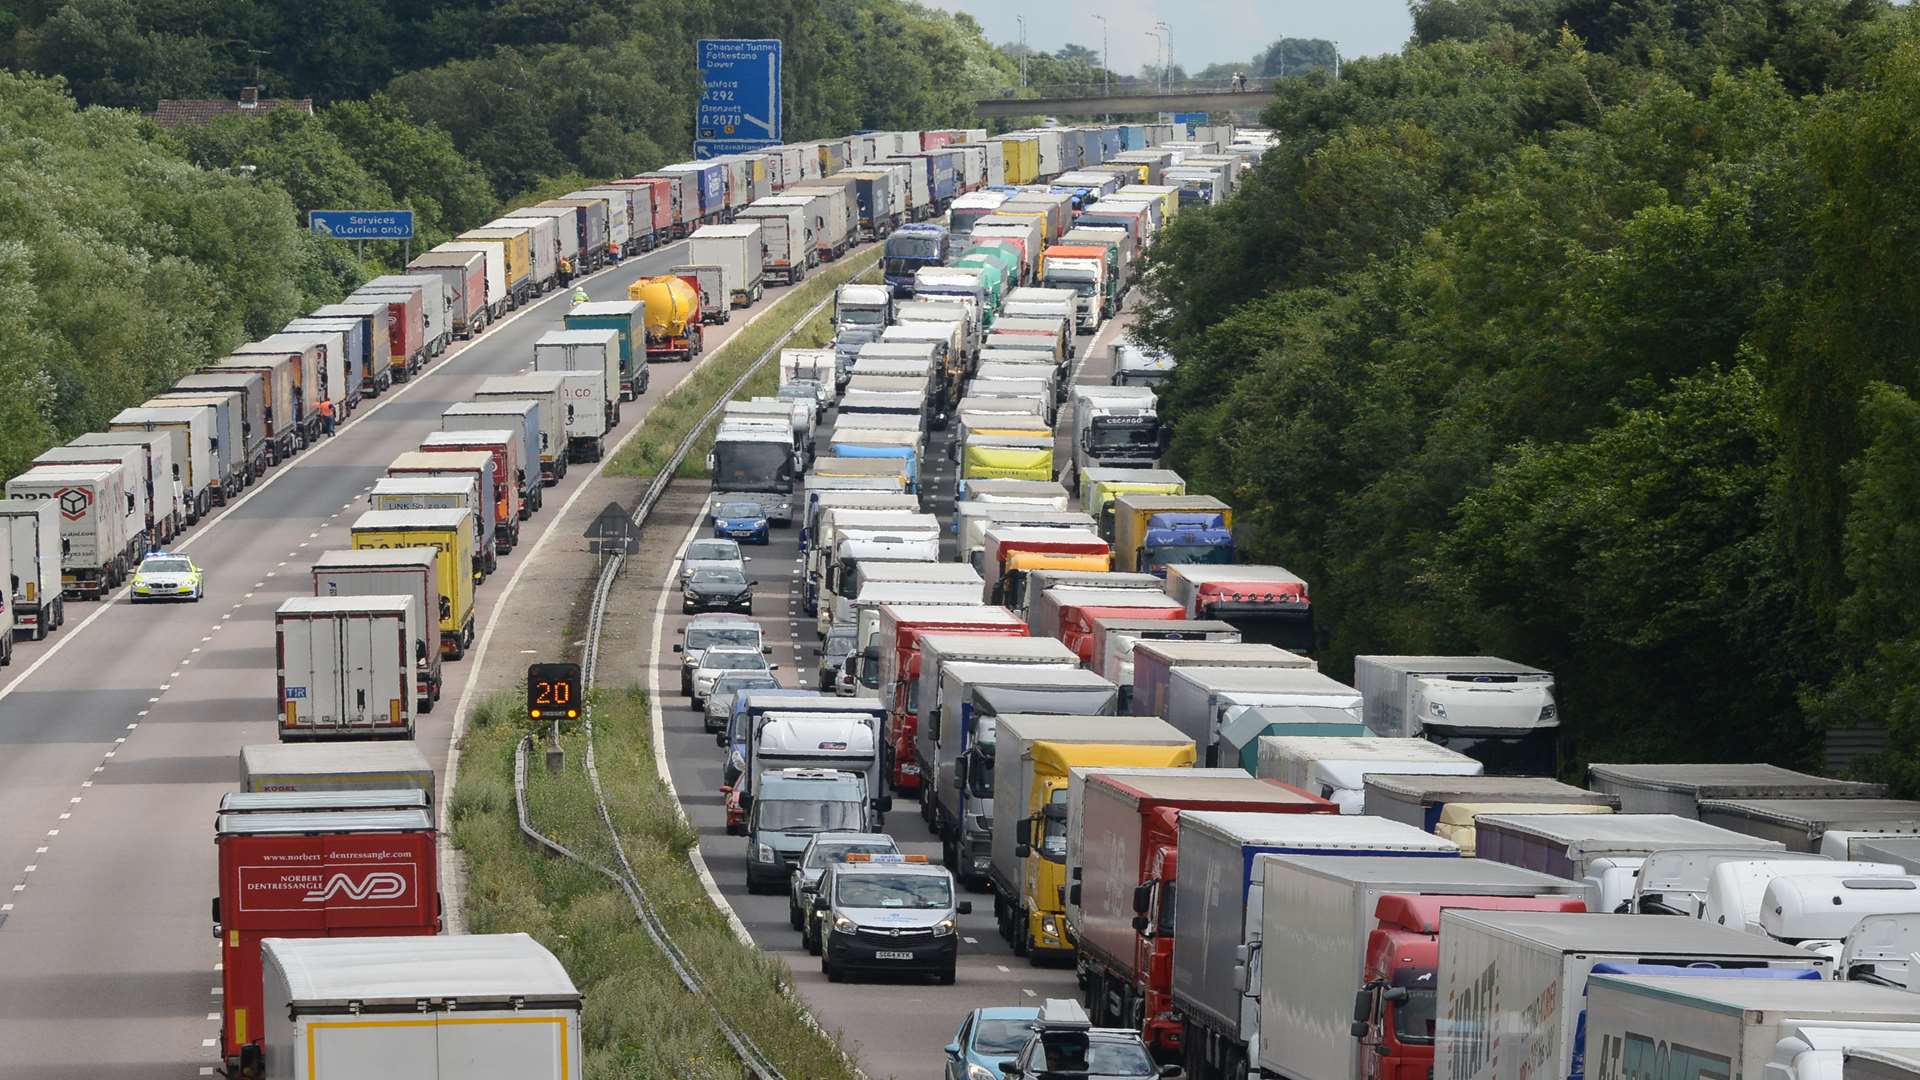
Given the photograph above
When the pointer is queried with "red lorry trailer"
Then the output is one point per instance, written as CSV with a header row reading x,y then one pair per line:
x,y
898,640
1120,905
1069,614
300,871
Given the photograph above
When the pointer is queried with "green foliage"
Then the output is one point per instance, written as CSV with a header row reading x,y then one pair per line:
x,y
1548,338
123,266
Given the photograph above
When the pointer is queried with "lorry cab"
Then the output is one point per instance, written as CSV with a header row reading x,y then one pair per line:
x,y
910,248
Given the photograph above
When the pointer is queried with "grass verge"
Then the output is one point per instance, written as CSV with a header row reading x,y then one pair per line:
x,y
640,1022
671,419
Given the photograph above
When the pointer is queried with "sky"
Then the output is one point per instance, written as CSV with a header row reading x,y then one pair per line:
x,y
1204,31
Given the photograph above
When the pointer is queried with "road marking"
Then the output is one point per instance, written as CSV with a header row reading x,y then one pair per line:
x,y
31,868
258,585
208,1042
1026,991
39,851
53,832
1003,968
67,815
971,941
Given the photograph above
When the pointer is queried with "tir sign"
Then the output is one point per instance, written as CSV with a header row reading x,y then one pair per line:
x,y
553,690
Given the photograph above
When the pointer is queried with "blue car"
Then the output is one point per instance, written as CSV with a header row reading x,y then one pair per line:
x,y
986,1038
742,521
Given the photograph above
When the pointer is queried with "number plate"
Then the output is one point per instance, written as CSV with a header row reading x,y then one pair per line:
x,y
893,956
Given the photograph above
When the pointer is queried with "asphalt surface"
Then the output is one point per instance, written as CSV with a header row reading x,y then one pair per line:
x,y
119,734
896,1027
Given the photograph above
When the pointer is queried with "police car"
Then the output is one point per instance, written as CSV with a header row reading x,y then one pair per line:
x,y
888,913
163,575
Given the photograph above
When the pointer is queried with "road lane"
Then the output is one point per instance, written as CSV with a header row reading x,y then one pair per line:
x,y
120,744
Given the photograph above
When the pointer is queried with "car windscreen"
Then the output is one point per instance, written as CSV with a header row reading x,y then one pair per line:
x,y
738,510
920,892
719,576
707,637
733,684
822,854
166,566
710,550
730,660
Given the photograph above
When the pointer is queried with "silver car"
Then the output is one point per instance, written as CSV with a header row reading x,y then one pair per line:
x,y
833,655
719,661
719,706
704,632
711,553
824,850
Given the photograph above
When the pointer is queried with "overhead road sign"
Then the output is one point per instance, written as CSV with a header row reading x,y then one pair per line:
x,y
740,95
362,224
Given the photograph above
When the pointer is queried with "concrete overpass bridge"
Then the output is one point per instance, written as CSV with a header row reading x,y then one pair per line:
x,y
1092,99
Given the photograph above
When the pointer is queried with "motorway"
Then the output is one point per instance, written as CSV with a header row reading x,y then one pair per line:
x,y
122,731
897,1027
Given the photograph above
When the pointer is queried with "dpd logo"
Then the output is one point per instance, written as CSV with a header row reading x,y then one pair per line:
x,y
74,502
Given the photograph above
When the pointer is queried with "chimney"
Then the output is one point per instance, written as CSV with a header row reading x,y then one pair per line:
x,y
249,97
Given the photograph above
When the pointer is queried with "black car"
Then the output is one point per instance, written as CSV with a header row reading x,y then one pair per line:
x,y
717,589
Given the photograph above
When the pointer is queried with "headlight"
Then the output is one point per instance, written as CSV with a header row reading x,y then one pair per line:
x,y
943,928
979,1072
763,853
1049,926
845,925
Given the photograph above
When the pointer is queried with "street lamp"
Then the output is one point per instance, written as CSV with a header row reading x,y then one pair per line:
x,y
1022,20
1106,61
1166,64
1159,53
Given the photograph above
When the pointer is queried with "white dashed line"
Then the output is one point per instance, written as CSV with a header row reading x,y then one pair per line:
x,y
1003,968
971,941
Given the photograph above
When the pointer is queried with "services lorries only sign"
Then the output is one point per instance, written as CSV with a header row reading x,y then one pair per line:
x,y
740,97
362,224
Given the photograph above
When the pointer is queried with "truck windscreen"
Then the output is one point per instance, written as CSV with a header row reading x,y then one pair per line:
x,y
752,466
1133,434
1164,555
1504,751
1009,700
1291,629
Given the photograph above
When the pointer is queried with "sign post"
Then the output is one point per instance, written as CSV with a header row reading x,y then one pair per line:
x,y
740,104
364,225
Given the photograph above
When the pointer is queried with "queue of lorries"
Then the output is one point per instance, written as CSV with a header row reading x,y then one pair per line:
x,y
328,898
1121,734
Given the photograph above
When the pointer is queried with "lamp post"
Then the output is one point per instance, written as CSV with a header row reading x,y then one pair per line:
x,y
1106,62
1022,20
1159,54
1166,63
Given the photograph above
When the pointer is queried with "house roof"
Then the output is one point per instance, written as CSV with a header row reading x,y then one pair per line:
x,y
191,112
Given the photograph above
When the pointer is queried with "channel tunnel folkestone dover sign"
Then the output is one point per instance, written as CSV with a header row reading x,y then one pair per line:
x,y
740,105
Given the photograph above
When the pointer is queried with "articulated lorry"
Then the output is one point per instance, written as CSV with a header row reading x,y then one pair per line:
x,y
350,765
1495,710
1269,604
458,1007
408,572
898,655
1218,925
1829,826
346,667
1120,901
1205,702
1678,789
1153,532
1336,766
1512,986
30,537
961,733
1356,939
1154,662
1034,754
1602,852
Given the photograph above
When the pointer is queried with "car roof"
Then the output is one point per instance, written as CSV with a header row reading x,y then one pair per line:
x,y
722,650
916,869
853,838
722,619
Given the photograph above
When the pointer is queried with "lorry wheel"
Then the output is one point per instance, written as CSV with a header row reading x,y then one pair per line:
x,y
793,913
1020,921
423,705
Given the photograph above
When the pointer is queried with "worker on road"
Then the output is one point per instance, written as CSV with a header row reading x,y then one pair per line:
x,y
579,296
326,416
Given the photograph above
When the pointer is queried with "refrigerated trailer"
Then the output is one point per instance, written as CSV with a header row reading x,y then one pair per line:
x,y
346,667
463,1007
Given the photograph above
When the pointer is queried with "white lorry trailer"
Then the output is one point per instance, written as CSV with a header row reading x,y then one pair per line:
x,y
1318,915
1219,912
1336,766
98,531
738,251
1495,710
590,362
463,1007
1678,789
1603,851
346,667
410,572
1202,701
30,533
1780,1029
1512,985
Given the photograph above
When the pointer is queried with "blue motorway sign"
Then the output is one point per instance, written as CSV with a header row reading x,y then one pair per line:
x,y
740,99
362,224
704,149
1190,120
